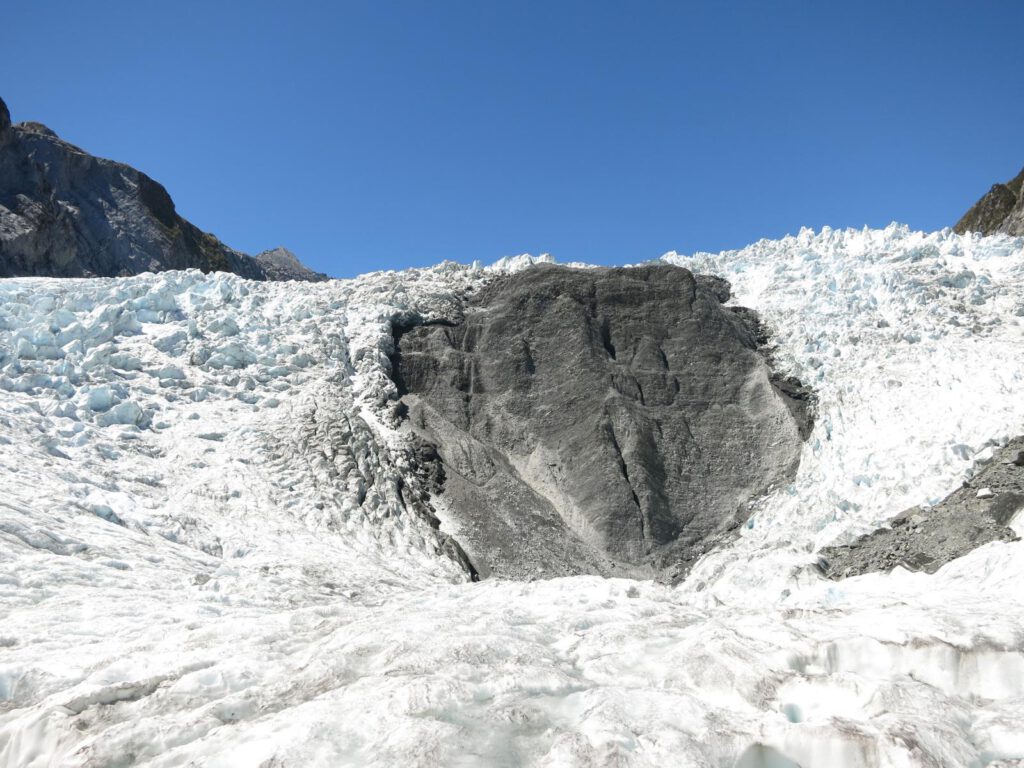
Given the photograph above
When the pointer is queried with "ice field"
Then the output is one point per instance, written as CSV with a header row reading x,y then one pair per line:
x,y
206,560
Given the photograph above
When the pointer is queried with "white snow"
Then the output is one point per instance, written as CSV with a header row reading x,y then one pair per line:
x,y
204,558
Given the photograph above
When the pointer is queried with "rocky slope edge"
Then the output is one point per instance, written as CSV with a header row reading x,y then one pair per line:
x,y
927,538
65,213
1001,209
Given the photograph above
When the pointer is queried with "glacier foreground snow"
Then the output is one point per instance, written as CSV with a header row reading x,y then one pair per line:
x,y
209,555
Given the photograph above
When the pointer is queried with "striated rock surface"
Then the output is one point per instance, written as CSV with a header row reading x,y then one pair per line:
x,y
925,539
598,420
1001,209
65,213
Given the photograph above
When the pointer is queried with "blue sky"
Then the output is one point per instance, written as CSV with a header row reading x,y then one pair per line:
x,y
380,135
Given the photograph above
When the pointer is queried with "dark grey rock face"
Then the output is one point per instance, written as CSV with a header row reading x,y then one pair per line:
x,y
926,539
613,421
1001,209
282,264
65,213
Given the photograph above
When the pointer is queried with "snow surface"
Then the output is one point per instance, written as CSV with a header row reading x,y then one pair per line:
x,y
204,559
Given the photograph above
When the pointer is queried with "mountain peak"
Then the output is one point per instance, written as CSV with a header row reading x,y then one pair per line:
x,y
31,126
1000,210
67,213
281,264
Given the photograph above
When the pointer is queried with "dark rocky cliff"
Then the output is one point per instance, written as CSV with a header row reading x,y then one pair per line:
x,y
1001,209
613,421
65,213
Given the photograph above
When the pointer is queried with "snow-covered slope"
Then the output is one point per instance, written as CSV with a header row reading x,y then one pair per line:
x,y
207,556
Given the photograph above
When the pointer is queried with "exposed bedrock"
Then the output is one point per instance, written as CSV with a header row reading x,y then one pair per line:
x,y
65,213
1001,209
613,421
925,539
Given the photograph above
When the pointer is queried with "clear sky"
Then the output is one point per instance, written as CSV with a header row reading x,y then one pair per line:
x,y
380,134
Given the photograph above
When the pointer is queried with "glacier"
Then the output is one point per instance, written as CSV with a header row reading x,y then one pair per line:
x,y
208,556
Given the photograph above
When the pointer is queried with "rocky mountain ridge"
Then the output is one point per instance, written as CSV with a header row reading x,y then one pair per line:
x,y
66,213
1000,210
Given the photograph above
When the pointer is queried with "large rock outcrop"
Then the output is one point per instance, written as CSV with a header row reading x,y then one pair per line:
x,y
1001,209
613,421
65,213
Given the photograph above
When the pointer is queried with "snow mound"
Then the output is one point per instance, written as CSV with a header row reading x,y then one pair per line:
x,y
208,555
